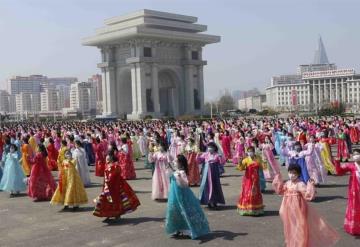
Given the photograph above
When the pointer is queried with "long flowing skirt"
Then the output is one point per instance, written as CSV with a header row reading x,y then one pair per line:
x,y
210,188
303,227
160,183
70,190
13,177
99,168
250,202
41,183
194,173
184,213
124,200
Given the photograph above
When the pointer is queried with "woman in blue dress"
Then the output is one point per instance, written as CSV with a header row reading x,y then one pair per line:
x,y
211,192
13,177
184,214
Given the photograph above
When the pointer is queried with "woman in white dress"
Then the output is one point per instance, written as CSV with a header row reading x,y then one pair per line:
x,y
79,156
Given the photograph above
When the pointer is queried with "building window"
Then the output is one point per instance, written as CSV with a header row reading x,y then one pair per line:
x,y
195,55
147,52
196,100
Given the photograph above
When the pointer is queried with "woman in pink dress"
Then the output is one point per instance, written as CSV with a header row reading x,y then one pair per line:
x,y
226,145
273,166
239,151
303,227
160,179
352,217
41,183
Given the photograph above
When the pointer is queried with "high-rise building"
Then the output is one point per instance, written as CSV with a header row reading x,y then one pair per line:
x,y
315,86
26,84
4,101
97,84
27,102
83,97
52,99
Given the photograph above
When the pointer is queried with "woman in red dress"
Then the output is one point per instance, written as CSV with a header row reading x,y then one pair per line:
x,y
41,183
99,157
226,145
125,161
117,197
354,133
250,202
342,148
53,154
352,217
194,172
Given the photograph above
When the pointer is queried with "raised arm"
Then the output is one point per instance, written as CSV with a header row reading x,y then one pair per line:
x,y
278,184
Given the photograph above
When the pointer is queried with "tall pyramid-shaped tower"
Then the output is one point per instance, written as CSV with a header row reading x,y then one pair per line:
x,y
320,54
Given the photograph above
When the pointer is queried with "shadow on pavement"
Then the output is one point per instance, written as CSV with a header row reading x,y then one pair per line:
x,y
226,235
327,198
227,207
142,178
231,176
142,192
268,192
94,185
271,213
133,221
332,185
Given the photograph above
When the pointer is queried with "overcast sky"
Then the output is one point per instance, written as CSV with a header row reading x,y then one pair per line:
x,y
259,38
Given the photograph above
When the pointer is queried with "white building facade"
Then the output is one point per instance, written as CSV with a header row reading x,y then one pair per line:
x,y
52,99
152,64
83,98
253,102
315,86
27,103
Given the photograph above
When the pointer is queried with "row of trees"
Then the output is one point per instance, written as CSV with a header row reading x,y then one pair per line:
x,y
225,103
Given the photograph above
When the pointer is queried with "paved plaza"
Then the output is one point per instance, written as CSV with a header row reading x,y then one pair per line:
x,y
27,223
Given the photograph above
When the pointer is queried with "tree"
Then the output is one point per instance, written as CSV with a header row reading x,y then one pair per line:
x,y
207,108
226,102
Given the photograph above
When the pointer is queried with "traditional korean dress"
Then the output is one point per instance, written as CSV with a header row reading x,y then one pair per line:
x,y
326,155
352,216
250,202
273,166
27,153
194,172
310,157
239,152
13,176
52,157
299,159
160,179
70,190
184,213
342,149
303,227
126,163
142,142
136,149
354,134
117,197
41,183
210,187
100,159
226,146
82,165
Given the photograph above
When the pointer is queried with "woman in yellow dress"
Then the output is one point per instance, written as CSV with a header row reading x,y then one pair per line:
x,y
61,156
27,154
70,190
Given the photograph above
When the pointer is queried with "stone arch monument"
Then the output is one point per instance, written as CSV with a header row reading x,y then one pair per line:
x,y
151,64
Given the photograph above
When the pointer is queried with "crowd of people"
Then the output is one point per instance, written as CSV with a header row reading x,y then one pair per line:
x,y
182,154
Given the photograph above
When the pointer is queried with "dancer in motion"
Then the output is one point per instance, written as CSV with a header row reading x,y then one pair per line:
x,y
184,214
303,227
117,197
352,217
70,190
